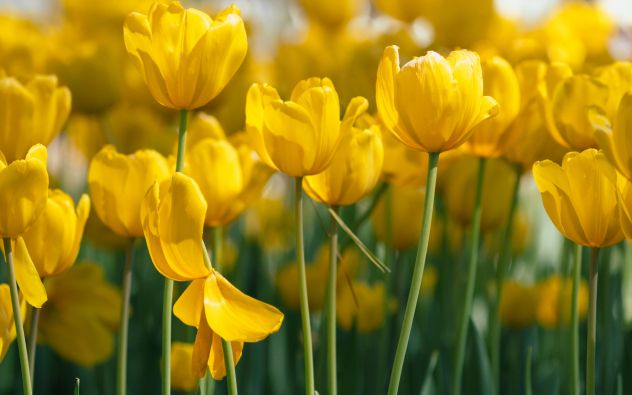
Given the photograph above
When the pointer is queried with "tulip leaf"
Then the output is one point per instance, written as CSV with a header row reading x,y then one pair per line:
x,y
429,386
374,259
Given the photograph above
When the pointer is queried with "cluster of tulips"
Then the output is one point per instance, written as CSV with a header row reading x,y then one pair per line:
x,y
436,152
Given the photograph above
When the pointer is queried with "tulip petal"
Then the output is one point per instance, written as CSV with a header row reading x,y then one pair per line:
x,y
201,348
235,316
216,358
190,305
385,86
27,277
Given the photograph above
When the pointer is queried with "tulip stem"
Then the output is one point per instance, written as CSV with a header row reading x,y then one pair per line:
x,y
592,323
471,280
415,285
332,387
577,267
17,319
35,313
121,368
501,271
302,281
167,296
229,363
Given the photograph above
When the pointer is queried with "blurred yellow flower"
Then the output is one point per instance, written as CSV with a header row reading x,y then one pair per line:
x,y
186,56
459,190
182,377
616,140
429,282
210,160
82,315
363,305
270,223
172,215
21,46
118,184
355,168
405,10
518,304
34,111
520,236
501,83
432,103
554,301
403,166
589,219
460,23
7,325
617,77
332,13
53,240
298,137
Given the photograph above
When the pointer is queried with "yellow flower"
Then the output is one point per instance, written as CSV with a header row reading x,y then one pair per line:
x,y
354,170
22,45
432,103
364,305
518,304
270,223
332,13
34,111
520,236
7,325
405,10
118,184
460,23
580,197
182,377
554,300
460,188
172,215
571,101
298,137
617,77
501,83
53,240
82,316
186,56
225,170
616,140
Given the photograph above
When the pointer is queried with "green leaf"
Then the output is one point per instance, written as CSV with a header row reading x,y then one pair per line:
x,y
429,386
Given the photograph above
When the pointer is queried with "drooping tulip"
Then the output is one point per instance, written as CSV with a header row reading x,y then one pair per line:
x,y
118,184
432,103
186,56
298,137
355,168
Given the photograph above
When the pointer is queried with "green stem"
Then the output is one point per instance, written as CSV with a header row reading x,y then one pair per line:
x,y
527,374
167,296
592,322
577,267
501,271
229,363
415,285
471,280
331,306
121,368
302,281
17,319
35,313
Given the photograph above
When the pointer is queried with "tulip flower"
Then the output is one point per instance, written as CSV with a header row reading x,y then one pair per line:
x,y
35,111
432,103
298,137
186,56
118,184
553,306
81,318
405,10
231,160
369,312
182,377
172,215
355,168
517,305
61,223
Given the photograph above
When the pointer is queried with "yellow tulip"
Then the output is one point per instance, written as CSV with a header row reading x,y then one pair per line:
x,y
118,184
53,240
7,325
269,222
618,78
461,23
82,316
298,137
369,311
518,305
501,83
35,112
172,215
554,299
217,158
432,103
186,56
616,140
460,188
405,10
580,197
332,13
22,45
354,170
570,105
182,377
